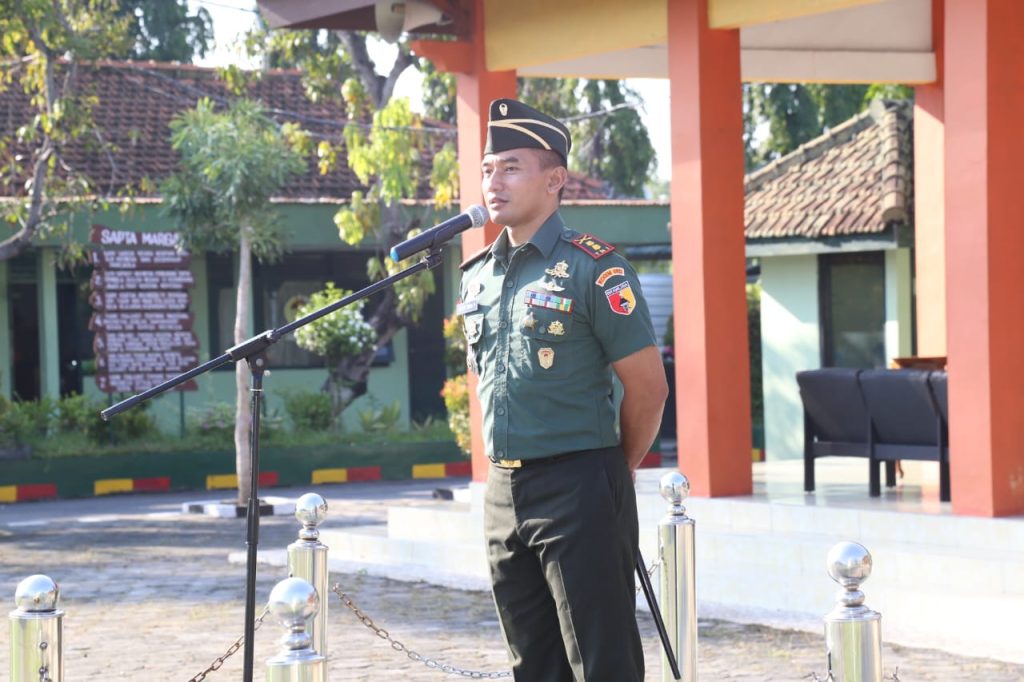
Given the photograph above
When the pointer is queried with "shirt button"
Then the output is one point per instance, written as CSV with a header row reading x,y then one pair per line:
x,y
501,411
502,324
509,284
500,454
500,367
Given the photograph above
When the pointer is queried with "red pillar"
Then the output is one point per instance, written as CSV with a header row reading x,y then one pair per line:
x,y
476,88
712,361
984,80
929,209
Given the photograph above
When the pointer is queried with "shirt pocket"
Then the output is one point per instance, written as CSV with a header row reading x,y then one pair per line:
x,y
544,353
473,327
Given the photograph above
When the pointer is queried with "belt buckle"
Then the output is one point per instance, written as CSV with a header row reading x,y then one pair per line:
x,y
509,463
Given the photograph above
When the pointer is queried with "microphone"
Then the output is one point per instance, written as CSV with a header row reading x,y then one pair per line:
x,y
474,216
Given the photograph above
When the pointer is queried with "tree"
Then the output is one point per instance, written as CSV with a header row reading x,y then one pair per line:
x,y
796,113
164,31
232,162
610,140
42,50
386,145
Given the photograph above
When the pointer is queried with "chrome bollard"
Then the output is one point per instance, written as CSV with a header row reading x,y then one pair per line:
x,y
853,632
678,578
293,601
36,628
307,559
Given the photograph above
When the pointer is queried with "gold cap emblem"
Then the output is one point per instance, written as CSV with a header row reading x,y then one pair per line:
x,y
503,108
546,357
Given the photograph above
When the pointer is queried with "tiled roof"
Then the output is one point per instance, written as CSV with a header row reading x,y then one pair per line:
x,y
137,100
856,179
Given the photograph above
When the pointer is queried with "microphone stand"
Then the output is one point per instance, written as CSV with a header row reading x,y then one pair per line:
x,y
254,352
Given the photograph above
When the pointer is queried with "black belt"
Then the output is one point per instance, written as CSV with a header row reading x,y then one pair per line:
x,y
519,463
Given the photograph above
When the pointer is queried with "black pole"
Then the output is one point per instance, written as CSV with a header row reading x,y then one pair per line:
x,y
257,366
645,583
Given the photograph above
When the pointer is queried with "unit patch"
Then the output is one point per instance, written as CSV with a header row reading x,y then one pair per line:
x,y
546,357
593,246
621,298
608,274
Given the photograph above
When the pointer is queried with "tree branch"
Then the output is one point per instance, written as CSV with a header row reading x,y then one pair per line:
x,y
355,46
403,61
13,245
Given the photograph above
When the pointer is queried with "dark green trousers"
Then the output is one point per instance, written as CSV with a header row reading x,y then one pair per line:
x,y
562,544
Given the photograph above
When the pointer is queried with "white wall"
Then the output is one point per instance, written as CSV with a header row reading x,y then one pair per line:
x,y
898,295
790,343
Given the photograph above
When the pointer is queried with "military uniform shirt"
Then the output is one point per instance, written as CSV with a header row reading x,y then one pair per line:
x,y
543,324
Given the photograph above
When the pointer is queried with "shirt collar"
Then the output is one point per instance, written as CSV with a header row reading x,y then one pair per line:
x,y
544,239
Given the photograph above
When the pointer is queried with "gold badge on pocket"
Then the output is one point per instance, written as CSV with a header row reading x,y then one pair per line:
x,y
556,328
546,357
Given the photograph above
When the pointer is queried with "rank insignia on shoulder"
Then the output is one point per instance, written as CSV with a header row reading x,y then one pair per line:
x,y
608,274
592,246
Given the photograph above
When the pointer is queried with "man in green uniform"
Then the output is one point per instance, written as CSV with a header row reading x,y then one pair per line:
x,y
549,314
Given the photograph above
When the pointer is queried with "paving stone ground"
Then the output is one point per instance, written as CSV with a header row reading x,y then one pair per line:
x,y
150,596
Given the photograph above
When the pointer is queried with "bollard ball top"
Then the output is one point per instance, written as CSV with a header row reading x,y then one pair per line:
x,y
310,510
293,601
674,487
849,564
37,593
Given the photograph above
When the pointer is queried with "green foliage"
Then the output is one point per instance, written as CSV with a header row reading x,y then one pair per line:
x,y
165,31
455,345
388,158
380,418
33,422
795,113
232,163
613,144
319,55
308,410
438,93
216,420
342,333
455,391
43,43
456,400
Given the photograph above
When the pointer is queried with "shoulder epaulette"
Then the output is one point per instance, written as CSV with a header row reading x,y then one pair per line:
x,y
474,257
592,246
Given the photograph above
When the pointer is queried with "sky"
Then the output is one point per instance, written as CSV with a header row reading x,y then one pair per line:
x,y
232,18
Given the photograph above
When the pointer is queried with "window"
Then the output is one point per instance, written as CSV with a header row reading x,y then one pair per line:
x,y
278,289
853,309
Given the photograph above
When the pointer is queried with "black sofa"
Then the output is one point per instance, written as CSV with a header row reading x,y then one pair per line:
x,y
881,415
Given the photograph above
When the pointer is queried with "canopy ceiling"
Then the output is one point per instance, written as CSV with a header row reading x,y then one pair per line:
x,y
832,41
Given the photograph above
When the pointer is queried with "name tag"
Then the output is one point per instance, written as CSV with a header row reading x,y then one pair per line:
x,y
467,307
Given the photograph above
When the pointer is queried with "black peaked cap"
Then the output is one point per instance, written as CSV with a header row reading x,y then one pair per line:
x,y
513,125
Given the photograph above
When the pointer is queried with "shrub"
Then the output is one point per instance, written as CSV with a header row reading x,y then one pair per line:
x,y
129,425
308,410
216,420
376,419
456,400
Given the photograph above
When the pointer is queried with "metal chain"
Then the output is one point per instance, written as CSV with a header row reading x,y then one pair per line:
x,y
232,650
402,648
895,677
650,573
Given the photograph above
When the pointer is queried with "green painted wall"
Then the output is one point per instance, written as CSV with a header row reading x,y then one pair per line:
x,y
5,334
898,305
790,343
49,348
